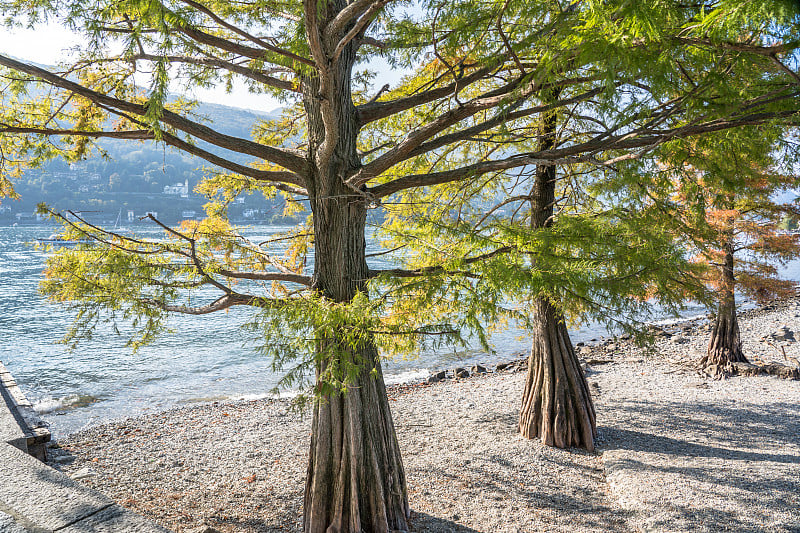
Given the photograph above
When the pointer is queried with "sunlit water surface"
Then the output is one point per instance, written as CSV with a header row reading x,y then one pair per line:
x,y
205,358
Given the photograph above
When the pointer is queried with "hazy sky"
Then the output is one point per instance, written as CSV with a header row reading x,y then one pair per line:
x,y
49,44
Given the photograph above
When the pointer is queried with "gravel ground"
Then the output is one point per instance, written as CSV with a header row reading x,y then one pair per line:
x,y
677,451
687,453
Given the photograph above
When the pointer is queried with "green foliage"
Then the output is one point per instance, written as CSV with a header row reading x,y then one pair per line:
x,y
447,157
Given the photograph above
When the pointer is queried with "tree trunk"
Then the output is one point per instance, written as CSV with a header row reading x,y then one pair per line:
x,y
355,482
725,346
556,404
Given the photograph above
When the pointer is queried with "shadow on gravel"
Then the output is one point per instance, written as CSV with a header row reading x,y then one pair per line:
x,y
422,522
647,442
741,463
552,500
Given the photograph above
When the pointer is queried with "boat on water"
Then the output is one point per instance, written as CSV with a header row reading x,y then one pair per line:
x,y
59,241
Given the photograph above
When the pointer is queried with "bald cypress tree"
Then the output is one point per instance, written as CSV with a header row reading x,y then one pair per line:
x,y
723,201
463,115
574,235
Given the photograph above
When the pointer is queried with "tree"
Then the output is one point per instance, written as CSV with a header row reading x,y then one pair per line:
x,y
340,149
726,187
595,248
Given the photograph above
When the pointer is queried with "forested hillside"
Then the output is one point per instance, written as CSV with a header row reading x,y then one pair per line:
x,y
139,177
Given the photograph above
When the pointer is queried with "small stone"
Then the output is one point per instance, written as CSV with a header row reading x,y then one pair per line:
x,y
83,473
461,373
680,340
478,369
439,376
503,366
611,347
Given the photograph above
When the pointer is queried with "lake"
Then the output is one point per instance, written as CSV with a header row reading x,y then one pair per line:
x,y
205,358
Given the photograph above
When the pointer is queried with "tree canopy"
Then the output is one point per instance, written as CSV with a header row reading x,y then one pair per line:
x,y
482,76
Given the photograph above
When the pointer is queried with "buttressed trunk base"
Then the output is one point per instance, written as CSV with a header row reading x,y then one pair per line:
x,y
556,404
356,482
725,346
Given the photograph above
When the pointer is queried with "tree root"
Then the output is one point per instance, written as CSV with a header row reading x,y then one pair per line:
x,y
748,369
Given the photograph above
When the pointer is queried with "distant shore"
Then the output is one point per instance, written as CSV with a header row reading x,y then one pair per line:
x,y
677,451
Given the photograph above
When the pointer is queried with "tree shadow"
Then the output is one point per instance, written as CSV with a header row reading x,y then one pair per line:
x,y
743,459
423,523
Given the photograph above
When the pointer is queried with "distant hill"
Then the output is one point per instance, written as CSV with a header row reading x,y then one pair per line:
x,y
137,177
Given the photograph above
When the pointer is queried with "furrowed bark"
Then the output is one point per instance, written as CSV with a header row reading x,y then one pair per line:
x,y
556,404
356,481
725,346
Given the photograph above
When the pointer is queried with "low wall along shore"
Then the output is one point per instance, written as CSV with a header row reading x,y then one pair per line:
x,y
36,498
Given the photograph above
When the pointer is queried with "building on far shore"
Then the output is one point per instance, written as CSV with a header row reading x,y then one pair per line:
x,y
181,189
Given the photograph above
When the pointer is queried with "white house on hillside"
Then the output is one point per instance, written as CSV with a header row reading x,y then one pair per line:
x,y
179,188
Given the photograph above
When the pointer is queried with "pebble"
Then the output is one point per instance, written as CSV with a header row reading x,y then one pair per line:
x,y
673,452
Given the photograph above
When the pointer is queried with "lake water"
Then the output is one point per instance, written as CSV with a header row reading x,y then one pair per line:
x,y
204,359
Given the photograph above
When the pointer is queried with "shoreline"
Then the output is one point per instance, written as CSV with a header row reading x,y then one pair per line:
x,y
676,451
82,410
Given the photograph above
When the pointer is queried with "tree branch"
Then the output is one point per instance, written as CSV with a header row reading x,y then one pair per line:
x,y
581,152
284,158
373,111
402,273
416,137
267,276
227,65
357,29
206,38
220,304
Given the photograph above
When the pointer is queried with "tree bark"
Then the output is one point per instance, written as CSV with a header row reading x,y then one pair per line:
x,y
556,404
725,346
356,481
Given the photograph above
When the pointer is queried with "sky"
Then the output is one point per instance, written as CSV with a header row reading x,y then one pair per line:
x,y
51,43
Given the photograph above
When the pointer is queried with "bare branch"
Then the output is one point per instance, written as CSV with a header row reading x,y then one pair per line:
x,y
227,65
415,138
402,273
220,304
131,135
351,12
357,29
192,32
372,111
284,158
267,276
582,152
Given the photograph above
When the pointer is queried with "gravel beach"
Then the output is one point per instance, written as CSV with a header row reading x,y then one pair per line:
x,y
677,451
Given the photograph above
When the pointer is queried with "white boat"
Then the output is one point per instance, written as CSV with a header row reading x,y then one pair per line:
x,y
58,241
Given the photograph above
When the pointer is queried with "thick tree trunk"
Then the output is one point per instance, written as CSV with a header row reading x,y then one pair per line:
x,y
556,404
725,346
356,482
